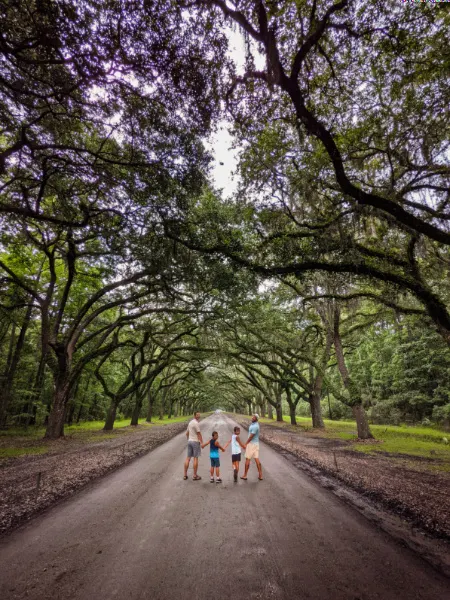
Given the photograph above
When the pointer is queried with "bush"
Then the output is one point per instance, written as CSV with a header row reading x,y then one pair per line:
x,y
384,413
339,410
441,415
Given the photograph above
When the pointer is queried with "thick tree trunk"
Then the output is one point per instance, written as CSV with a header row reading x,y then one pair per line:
x,y
56,418
292,415
61,396
362,424
279,412
269,411
137,410
359,413
111,416
316,395
316,411
292,405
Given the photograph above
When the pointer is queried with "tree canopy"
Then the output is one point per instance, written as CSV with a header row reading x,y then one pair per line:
x,y
130,284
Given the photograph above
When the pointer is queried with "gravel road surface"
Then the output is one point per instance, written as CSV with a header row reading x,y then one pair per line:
x,y
143,532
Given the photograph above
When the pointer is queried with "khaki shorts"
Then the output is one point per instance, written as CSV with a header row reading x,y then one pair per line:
x,y
252,451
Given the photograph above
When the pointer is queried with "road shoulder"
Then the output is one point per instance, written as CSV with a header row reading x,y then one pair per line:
x,y
32,484
360,484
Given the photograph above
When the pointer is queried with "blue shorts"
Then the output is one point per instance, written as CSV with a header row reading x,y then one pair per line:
x,y
215,462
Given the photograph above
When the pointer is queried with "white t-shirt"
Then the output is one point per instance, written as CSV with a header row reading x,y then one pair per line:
x,y
193,429
235,448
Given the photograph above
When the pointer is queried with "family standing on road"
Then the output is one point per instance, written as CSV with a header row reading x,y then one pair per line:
x,y
195,445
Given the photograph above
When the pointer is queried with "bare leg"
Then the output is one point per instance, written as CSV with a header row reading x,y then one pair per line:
x,y
195,466
247,466
186,466
212,472
217,472
258,464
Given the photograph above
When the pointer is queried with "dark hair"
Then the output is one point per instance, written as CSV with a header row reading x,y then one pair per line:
x,y
212,435
236,428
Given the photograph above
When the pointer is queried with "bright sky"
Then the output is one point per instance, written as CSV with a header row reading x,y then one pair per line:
x,y
225,160
222,141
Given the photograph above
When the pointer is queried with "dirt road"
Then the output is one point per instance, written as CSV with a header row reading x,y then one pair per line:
x,y
143,532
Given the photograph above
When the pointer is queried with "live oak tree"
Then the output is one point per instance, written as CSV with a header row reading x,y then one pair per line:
x,y
356,81
281,351
338,174
109,225
92,86
92,153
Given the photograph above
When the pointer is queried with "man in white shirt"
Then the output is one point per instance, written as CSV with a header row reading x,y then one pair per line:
x,y
194,450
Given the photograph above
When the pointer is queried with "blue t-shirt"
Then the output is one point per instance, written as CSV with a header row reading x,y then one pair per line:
x,y
254,428
213,449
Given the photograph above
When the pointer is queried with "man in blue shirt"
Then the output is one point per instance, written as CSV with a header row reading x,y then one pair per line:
x,y
252,448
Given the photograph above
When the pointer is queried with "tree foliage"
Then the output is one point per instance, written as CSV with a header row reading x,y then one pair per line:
x,y
129,285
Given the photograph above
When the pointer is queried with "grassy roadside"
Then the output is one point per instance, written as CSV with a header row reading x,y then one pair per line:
x,y
393,441
29,484
17,442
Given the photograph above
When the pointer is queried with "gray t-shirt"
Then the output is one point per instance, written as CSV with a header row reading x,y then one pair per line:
x,y
193,429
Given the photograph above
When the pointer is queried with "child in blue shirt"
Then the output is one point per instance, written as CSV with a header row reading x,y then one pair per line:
x,y
214,448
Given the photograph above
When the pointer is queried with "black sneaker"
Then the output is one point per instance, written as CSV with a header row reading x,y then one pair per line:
x,y
218,480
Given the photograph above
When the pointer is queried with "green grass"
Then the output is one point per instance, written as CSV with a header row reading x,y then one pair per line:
x,y
398,442
98,425
38,432
29,432
14,452
427,442
16,441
